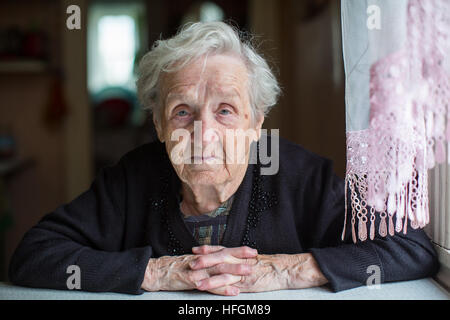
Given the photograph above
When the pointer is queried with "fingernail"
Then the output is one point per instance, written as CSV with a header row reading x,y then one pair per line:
x,y
198,284
192,264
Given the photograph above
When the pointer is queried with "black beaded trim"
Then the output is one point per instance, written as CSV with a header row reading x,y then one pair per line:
x,y
161,204
260,201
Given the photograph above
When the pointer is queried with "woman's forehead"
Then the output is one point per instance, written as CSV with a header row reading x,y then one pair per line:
x,y
222,90
220,73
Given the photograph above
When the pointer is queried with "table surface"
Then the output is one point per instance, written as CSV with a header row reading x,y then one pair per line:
x,y
423,289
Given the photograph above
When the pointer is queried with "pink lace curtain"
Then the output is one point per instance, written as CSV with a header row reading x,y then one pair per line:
x,y
396,56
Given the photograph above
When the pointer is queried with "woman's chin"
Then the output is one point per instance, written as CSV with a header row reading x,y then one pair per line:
x,y
204,167
204,173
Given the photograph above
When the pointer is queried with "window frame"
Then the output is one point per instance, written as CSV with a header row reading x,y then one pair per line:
x,y
134,8
439,227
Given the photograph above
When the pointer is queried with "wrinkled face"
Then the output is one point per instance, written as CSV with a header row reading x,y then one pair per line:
x,y
204,106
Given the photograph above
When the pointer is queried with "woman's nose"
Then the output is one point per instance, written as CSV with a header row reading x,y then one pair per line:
x,y
210,135
205,127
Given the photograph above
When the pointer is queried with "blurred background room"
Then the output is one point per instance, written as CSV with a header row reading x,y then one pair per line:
x,y
68,100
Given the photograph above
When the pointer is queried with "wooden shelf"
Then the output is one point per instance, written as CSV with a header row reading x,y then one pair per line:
x,y
13,165
23,66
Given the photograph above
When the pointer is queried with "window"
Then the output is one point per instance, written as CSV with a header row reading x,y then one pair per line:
x,y
116,50
209,11
205,11
114,40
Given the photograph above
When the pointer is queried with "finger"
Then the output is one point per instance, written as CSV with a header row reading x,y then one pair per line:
x,y
226,255
240,269
234,269
197,275
218,281
226,291
209,260
206,249
242,252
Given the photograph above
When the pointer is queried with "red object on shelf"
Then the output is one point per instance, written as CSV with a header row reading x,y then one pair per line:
x,y
35,45
56,109
113,111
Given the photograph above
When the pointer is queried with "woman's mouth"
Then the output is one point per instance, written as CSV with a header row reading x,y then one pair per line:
x,y
204,159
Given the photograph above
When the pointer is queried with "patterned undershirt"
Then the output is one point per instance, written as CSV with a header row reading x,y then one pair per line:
x,y
209,228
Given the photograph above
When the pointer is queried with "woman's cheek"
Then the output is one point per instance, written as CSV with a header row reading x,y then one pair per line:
x,y
176,145
228,121
177,154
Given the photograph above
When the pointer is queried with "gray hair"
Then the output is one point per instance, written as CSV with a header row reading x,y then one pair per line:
x,y
193,41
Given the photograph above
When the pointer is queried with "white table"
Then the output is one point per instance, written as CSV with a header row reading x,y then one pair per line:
x,y
424,289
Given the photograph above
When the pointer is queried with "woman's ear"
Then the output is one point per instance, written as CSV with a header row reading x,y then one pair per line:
x,y
158,128
259,122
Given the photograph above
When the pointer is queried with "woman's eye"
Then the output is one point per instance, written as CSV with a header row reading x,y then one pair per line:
x,y
224,112
182,113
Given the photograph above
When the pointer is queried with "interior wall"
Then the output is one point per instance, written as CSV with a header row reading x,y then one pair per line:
x,y
24,97
311,110
78,135
318,108
61,154
265,22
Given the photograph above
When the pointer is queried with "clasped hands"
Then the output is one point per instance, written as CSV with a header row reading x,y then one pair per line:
x,y
229,271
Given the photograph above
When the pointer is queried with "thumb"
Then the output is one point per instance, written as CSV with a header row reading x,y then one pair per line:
x,y
206,249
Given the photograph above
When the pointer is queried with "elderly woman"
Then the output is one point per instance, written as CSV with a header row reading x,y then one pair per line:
x,y
180,214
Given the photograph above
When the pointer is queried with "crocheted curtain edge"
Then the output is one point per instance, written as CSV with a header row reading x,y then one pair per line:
x,y
409,126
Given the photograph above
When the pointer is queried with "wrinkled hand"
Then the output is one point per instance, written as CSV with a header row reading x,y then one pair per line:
x,y
230,266
226,267
268,272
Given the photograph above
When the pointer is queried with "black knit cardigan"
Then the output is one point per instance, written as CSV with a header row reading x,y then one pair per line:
x,y
130,214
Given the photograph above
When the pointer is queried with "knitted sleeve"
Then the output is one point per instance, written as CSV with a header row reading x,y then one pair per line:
x,y
85,233
347,264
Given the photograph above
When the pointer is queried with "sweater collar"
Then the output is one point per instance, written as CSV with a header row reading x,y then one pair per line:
x,y
236,219
250,201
